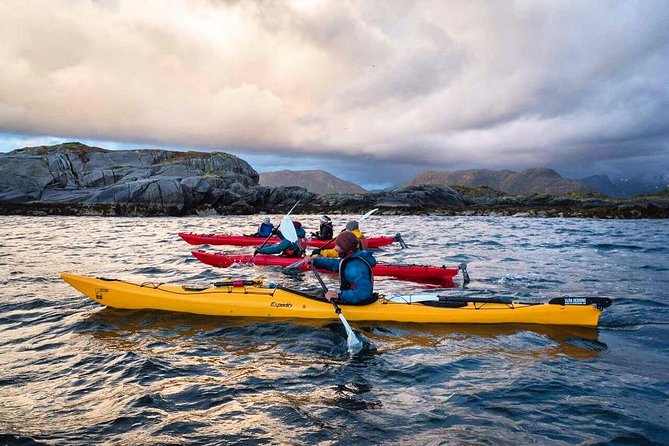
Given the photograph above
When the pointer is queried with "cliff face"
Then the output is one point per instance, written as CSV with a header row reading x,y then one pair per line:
x,y
317,181
528,181
162,180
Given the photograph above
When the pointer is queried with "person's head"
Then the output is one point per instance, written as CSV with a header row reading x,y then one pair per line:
x,y
325,219
297,224
346,243
352,225
265,219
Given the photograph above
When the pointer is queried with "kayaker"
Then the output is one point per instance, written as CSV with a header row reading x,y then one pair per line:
x,y
351,226
286,247
325,231
265,228
354,267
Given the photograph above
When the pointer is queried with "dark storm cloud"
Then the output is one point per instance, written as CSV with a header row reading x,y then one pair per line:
x,y
442,84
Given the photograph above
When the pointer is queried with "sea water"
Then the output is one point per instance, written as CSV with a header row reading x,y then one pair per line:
x,y
73,372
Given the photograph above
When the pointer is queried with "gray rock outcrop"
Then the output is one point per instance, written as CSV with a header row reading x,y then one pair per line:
x,y
155,181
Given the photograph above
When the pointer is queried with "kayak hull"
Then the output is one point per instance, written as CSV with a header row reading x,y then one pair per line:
x,y
244,240
264,302
419,273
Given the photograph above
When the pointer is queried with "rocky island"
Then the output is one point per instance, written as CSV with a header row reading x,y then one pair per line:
x,y
76,179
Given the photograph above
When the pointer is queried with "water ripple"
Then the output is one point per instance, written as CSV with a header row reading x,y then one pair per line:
x,y
83,374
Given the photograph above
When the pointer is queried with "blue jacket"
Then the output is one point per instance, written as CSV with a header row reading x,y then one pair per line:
x,y
355,275
285,246
265,229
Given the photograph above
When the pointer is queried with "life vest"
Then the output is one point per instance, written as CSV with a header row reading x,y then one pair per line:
x,y
344,284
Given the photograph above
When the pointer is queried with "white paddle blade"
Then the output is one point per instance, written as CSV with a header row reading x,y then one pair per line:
x,y
352,340
288,229
368,214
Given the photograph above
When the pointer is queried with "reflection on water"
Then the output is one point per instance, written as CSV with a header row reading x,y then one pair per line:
x,y
83,374
245,336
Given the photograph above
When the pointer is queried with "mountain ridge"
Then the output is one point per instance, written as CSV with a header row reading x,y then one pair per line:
x,y
316,181
534,180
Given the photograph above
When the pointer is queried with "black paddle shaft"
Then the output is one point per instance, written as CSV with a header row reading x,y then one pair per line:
x,y
325,289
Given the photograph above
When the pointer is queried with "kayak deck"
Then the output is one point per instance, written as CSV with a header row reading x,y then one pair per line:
x,y
440,275
241,299
245,240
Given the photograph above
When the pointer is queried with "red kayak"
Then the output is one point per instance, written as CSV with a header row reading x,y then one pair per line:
x,y
245,240
440,275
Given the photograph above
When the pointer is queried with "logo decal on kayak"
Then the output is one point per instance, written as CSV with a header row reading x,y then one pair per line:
x,y
99,291
575,301
280,305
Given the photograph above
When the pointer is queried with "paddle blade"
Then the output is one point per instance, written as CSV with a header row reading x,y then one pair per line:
x,y
288,229
352,340
368,213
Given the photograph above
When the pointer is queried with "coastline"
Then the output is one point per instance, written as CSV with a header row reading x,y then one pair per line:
x,y
647,208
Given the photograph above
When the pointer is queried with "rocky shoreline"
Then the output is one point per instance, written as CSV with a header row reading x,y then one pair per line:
x,y
75,179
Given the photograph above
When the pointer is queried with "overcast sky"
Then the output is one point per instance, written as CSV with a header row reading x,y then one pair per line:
x,y
373,91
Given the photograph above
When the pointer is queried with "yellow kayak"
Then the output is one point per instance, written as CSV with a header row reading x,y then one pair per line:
x,y
246,298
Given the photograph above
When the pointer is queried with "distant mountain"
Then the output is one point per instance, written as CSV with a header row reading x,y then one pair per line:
x,y
626,187
317,181
526,182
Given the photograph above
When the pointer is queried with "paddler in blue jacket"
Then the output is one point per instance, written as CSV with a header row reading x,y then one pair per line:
x,y
285,246
265,228
354,267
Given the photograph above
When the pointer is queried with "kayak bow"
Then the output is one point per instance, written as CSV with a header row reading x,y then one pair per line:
x,y
244,298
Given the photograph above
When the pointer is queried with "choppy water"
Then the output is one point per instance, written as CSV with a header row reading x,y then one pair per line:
x,y
72,372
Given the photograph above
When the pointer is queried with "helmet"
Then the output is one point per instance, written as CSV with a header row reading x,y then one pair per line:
x,y
325,218
266,218
352,225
